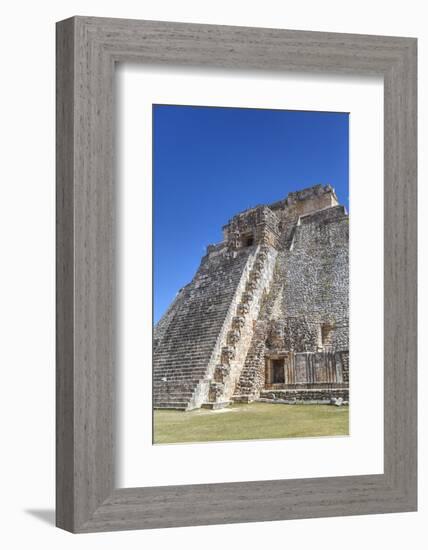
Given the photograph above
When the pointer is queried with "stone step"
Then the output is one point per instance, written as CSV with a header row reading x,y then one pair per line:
x,y
167,353
184,363
179,378
204,339
196,329
172,387
184,392
168,386
173,384
174,391
176,374
182,384
183,324
171,399
185,360
179,400
185,366
171,405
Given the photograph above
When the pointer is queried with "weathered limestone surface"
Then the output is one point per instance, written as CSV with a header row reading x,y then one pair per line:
x,y
266,312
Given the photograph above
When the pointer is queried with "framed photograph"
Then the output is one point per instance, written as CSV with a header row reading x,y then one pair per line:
x,y
236,274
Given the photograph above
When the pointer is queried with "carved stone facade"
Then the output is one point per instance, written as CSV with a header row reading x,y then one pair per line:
x,y
266,315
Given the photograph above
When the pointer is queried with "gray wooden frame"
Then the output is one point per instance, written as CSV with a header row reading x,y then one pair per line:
x,y
87,50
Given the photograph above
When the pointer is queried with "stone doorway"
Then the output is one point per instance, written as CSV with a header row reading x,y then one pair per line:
x,y
278,374
276,370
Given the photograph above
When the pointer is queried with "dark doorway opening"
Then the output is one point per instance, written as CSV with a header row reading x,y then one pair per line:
x,y
249,240
278,371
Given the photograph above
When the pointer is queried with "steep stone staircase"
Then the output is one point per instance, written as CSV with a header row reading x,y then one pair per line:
x,y
252,376
200,351
239,332
185,344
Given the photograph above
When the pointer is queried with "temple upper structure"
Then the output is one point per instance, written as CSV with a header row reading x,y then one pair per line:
x,y
266,314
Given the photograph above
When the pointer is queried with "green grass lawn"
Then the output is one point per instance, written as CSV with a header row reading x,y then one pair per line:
x,y
253,421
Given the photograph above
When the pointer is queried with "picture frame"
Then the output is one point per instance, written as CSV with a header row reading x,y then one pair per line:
x,y
87,50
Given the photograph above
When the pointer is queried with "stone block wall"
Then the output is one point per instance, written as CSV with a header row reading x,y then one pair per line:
x,y
313,395
315,368
345,366
315,269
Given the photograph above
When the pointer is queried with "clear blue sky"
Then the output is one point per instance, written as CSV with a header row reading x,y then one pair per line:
x,y
210,163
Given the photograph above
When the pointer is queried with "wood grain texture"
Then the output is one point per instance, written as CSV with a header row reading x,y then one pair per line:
x,y
87,49
64,276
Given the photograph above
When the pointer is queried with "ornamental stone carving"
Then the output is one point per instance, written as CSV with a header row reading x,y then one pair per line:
x,y
236,239
243,309
247,297
262,255
233,337
221,372
227,355
238,322
251,286
216,391
258,265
